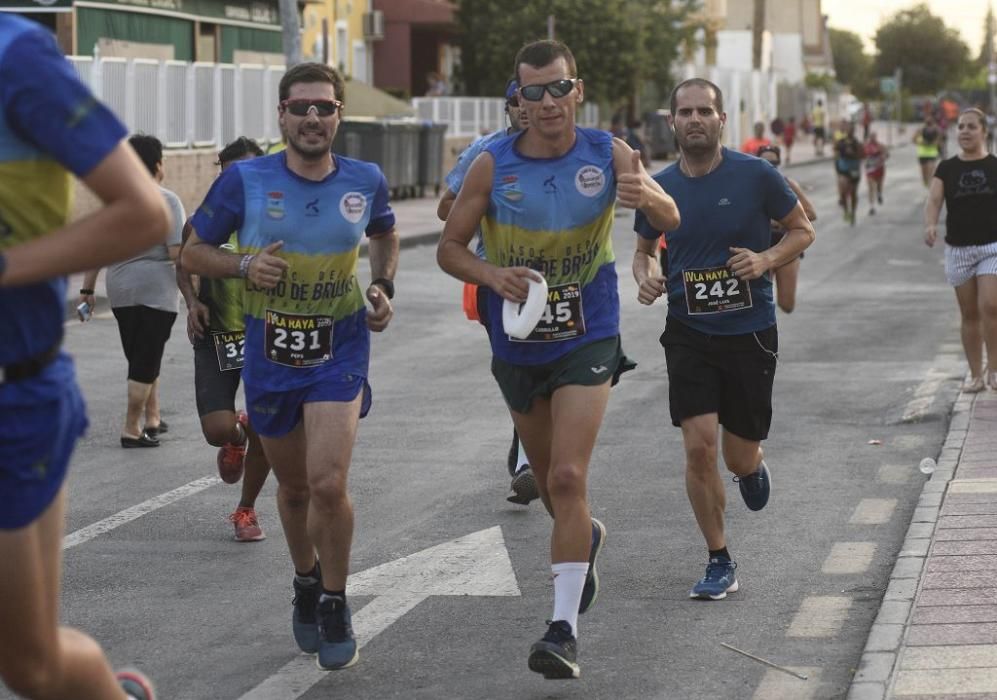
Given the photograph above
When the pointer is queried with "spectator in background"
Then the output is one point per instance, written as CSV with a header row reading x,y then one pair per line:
x,y
635,140
752,145
789,136
777,126
436,85
142,292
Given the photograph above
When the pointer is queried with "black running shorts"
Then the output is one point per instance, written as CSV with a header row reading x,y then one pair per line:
x,y
589,365
730,375
214,389
144,332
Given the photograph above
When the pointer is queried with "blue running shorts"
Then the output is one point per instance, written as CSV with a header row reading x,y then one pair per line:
x,y
36,442
274,414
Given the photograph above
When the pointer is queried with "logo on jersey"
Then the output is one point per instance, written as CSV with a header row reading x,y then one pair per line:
x,y
724,202
512,192
275,205
352,206
550,187
311,208
589,180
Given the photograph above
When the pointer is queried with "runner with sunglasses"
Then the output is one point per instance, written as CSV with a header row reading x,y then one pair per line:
x,y
524,484
52,128
300,215
786,276
544,199
217,332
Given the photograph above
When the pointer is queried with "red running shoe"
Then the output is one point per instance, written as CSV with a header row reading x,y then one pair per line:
x,y
136,685
231,457
247,527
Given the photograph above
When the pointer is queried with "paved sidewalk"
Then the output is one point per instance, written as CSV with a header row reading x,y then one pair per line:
x,y
935,636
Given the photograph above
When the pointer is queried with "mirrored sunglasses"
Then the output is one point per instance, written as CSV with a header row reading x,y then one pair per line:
x,y
300,108
556,88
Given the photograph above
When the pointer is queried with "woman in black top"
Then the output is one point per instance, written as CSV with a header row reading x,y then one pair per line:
x,y
968,185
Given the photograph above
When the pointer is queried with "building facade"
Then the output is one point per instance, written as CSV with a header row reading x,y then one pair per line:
x,y
422,36
344,34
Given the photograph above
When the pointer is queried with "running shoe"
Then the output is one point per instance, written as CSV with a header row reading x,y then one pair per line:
x,y
556,654
718,581
512,460
879,198
591,590
337,648
247,527
755,487
231,458
304,619
973,385
872,211
135,684
524,488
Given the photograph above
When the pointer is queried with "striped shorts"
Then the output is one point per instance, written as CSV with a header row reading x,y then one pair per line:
x,y
963,263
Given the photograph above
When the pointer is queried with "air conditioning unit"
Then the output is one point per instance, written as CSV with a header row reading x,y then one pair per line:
x,y
373,25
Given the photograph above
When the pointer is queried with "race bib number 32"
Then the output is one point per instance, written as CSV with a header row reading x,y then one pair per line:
x,y
297,340
712,290
562,319
230,349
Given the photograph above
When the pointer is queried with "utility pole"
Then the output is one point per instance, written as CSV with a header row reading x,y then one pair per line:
x,y
291,31
550,27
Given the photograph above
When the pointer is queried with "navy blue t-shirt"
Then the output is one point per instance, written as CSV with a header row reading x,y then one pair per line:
x,y
730,207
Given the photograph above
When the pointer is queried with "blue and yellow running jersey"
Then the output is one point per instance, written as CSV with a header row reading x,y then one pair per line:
x,y
555,215
288,343
51,128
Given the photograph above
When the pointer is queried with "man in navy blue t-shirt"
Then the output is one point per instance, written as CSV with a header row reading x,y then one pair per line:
x,y
720,338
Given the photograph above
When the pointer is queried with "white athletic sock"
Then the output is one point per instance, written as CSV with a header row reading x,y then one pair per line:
x,y
569,580
524,461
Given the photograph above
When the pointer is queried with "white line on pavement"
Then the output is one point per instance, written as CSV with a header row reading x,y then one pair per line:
x,y
849,558
819,616
873,511
85,534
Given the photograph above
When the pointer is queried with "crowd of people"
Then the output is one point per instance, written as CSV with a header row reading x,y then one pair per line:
x,y
268,268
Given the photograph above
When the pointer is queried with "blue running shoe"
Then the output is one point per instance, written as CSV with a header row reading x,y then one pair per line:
x,y
304,621
591,590
718,582
135,684
337,648
755,487
556,655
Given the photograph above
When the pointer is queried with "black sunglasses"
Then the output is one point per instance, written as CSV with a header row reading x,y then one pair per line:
x,y
556,88
300,108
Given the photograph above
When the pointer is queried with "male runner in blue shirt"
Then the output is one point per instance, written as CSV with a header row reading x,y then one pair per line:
x,y
51,128
300,215
720,338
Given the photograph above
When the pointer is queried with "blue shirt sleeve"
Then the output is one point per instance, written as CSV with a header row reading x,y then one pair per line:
x,y
778,198
46,105
642,226
382,219
455,178
223,209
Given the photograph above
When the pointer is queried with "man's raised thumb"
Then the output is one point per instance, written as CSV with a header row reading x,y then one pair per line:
x,y
273,247
635,162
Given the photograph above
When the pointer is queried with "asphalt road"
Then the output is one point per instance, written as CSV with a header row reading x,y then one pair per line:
x,y
874,337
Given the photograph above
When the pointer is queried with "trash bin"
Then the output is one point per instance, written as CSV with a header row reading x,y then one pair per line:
x,y
365,139
403,151
432,140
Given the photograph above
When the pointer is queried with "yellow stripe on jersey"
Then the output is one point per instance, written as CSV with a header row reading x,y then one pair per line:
x,y
35,198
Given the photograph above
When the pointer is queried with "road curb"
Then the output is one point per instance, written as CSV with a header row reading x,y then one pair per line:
x,y
877,669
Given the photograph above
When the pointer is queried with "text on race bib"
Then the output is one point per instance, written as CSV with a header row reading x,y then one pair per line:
x,y
297,340
230,349
562,319
712,290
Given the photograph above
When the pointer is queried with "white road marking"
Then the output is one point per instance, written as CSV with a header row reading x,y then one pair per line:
x,y
924,395
895,473
849,558
477,564
873,511
776,685
109,523
819,616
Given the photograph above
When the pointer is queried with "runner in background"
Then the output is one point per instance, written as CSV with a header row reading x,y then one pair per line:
x,y
875,170
217,331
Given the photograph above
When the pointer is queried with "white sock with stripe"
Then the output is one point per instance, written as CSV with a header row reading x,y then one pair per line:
x,y
569,580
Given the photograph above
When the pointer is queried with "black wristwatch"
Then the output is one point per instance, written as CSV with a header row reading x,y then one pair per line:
x,y
387,285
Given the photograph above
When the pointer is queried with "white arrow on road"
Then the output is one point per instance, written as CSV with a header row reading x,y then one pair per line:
x,y
476,564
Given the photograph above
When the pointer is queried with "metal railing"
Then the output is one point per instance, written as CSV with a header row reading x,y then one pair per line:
x,y
187,105
474,116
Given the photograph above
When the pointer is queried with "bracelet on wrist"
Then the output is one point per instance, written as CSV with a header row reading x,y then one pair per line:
x,y
387,285
86,292
244,265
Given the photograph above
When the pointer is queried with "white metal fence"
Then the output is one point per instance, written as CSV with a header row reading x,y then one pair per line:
x,y
187,104
474,116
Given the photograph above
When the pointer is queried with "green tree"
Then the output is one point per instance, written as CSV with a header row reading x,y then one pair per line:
x,y
931,55
852,65
617,44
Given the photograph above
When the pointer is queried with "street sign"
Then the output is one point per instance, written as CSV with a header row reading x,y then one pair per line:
x,y
888,85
